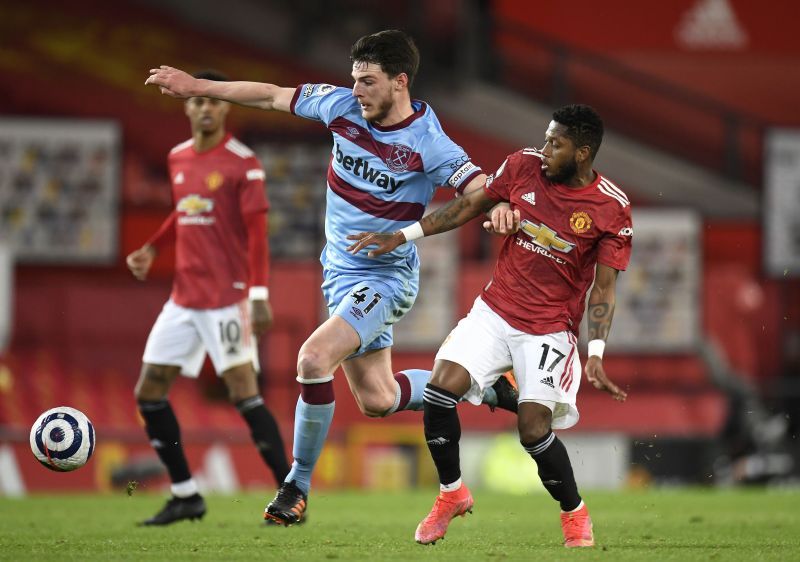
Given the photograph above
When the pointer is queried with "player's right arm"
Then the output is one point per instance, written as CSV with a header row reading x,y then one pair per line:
x,y
261,95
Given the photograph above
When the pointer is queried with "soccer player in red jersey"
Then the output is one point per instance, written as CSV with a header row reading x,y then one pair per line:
x,y
574,229
219,228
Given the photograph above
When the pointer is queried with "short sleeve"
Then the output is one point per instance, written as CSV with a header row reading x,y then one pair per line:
x,y
498,185
322,102
616,244
252,194
449,165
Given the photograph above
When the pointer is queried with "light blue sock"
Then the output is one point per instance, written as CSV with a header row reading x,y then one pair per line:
x,y
418,379
311,424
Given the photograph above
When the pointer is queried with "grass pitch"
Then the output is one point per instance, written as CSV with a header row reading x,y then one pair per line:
x,y
650,525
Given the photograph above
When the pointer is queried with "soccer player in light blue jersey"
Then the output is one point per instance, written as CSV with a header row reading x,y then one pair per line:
x,y
389,155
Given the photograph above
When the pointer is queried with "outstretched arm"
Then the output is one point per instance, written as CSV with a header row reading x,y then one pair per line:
x,y
451,215
502,220
178,84
601,310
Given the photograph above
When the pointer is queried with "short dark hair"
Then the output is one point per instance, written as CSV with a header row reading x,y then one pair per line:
x,y
211,74
392,49
584,126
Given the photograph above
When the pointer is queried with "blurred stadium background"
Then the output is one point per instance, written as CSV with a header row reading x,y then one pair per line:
x,y
699,100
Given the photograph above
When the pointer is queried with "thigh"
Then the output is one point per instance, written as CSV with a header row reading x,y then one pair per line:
x,y
478,343
543,365
226,335
330,344
174,340
370,374
371,304
547,369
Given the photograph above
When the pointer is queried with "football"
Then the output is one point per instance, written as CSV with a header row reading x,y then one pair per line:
x,y
62,439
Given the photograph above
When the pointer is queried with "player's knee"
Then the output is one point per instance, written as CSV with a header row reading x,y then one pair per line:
x,y
311,365
534,430
237,394
241,383
375,406
450,376
154,383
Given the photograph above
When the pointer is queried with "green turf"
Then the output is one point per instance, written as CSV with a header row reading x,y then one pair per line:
x,y
655,525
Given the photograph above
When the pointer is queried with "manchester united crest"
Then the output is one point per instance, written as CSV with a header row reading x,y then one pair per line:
x,y
214,181
398,158
580,222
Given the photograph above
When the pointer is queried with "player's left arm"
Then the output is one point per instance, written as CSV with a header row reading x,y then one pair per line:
x,y
502,220
258,253
451,215
602,299
254,209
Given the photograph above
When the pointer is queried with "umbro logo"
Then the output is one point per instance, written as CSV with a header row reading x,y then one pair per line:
x,y
438,441
548,380
530,197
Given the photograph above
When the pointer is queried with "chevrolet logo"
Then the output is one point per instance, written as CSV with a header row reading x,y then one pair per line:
x,y
194,205
545,237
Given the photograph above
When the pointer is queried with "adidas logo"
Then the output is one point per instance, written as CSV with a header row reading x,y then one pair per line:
x,y
711,24
530,197
439,441
548,380
551,482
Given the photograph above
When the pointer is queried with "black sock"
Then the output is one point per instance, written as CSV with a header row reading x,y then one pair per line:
x,y
442,431
555,470
165,437
266,435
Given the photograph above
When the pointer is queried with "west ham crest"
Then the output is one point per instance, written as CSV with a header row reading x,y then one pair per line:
x,y
398,157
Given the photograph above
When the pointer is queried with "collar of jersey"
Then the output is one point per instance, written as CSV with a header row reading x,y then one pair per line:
x,y
407,121
214,148
573,190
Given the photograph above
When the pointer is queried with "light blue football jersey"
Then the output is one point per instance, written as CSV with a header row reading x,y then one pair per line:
x,y
380,179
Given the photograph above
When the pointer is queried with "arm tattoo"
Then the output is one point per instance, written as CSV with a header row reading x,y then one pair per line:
x,y
599,321
452,215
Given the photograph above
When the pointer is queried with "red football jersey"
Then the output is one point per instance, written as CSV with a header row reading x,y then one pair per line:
x,y
543,272
213,191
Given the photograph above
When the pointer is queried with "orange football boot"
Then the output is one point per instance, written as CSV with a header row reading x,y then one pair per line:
x,y
447,506
577,528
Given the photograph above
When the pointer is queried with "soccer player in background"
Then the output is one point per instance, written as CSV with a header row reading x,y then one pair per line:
x,y
219,228
575,228
389,155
